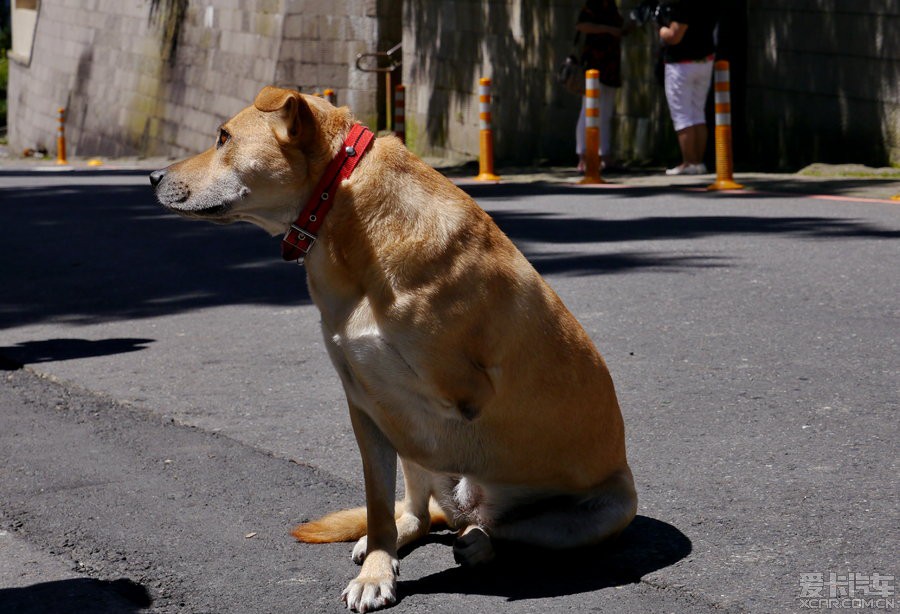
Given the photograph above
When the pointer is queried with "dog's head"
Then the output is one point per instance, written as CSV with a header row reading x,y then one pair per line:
x,y
260,167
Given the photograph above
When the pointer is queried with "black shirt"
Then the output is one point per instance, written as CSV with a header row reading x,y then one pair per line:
x,y
602,51
697,43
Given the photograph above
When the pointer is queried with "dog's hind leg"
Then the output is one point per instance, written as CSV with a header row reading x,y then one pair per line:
x,y
413,515
554,522
570,522
417,517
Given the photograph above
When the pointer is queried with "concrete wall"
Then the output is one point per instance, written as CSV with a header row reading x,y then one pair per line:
x,y
813,80
823,82
138,80
448,46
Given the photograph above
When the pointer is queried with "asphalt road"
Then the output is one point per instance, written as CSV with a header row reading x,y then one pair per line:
x,y
176,399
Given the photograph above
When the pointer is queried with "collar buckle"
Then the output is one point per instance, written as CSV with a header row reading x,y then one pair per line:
x,y
302,241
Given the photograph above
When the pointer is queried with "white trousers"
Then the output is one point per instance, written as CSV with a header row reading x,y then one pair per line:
x,y
607,106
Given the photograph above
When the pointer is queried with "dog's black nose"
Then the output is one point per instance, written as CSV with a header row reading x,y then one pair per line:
x,y
156,177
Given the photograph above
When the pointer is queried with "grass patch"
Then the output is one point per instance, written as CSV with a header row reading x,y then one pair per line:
x,y
850,171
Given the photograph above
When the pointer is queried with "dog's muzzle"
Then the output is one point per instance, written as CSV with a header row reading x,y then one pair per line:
x,y
169,193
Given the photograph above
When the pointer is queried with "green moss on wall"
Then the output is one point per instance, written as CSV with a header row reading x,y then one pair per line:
x,y
169,16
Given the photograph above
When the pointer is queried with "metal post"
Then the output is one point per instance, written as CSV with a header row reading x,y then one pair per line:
x,y
61,138
388,96
592,128
400,112
394,64
486,137
724,163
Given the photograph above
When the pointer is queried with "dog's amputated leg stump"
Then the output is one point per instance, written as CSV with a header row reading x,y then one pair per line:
x,y
473,547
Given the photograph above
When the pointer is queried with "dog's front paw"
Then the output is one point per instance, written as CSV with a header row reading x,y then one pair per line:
x,y
473,547
359,550
376,585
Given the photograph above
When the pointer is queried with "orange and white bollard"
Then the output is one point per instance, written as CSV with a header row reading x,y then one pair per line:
x,y
592,128
61,138
486,142
724,163
400,112
330,96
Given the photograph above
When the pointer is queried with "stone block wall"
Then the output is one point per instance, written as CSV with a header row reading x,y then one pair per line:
x,y
823,82
448,46
812,80
129,90
319,45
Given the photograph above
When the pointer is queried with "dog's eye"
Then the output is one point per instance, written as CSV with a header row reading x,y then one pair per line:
x,y
224,137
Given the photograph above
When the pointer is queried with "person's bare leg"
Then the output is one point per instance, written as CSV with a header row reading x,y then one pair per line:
x,y
692,141
686,140
699,149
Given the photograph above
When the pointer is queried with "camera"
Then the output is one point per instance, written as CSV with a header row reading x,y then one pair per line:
x,y
651,10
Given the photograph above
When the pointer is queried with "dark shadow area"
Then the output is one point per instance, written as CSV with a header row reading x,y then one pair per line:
x,y
553,228
52,350
509,190
755,189
809,82
93,253
89,253
76,596
9,365
821,83
647,545
454,40
611,264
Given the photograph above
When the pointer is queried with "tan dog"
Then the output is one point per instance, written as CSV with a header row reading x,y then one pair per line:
x,y
454,354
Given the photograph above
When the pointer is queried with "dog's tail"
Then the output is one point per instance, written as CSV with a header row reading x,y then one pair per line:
x,y
350,525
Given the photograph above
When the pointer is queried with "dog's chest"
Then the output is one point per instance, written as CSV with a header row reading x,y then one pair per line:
x,y
381,376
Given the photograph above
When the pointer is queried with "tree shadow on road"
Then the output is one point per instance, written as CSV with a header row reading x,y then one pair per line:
x,y
79,253
530,228
52,350
620,262
77,596
523,225
761,188
91,253
647,545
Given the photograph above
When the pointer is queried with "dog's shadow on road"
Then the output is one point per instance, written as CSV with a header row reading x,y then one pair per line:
x,y
526,573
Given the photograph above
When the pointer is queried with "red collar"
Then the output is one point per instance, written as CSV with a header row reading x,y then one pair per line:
x,y
299,238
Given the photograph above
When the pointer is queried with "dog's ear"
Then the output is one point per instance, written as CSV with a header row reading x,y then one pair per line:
x,y
294,114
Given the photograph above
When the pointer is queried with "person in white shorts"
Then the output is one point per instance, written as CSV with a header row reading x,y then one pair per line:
x,y
688,53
